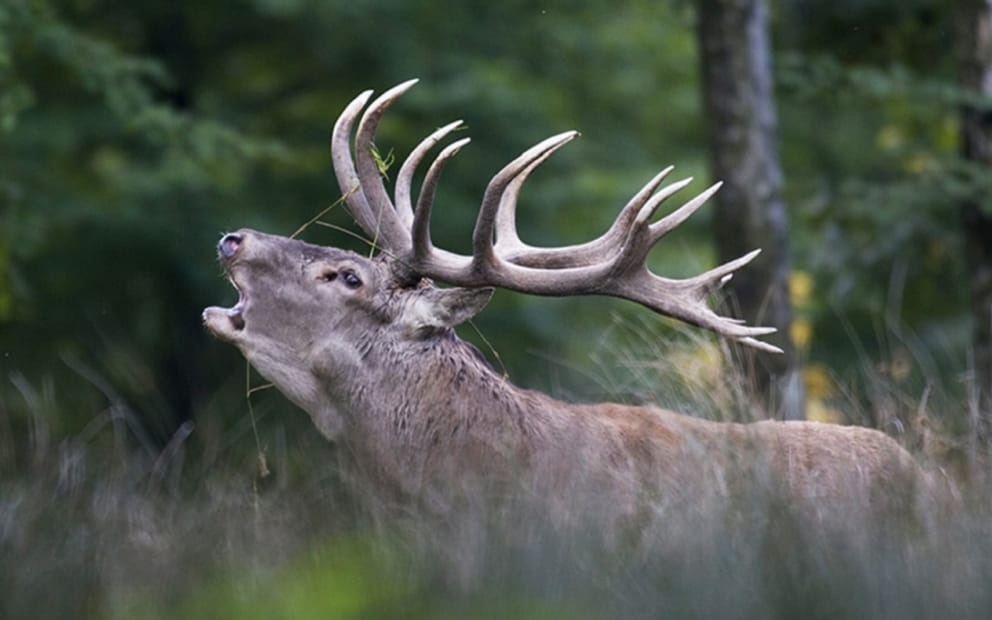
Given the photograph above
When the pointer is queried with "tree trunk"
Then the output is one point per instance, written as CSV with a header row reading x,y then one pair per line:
x,y
750,213
974,37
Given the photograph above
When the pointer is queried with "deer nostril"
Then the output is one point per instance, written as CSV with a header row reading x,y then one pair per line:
x,y
229,244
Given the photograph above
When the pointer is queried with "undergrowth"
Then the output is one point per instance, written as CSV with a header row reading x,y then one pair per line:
x,y
97,525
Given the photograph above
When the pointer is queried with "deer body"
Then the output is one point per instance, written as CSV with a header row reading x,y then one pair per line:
x,y
454,416
366,346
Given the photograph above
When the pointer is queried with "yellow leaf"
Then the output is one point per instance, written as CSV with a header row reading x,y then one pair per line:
x,y
801,333
818,411
818,383
800,288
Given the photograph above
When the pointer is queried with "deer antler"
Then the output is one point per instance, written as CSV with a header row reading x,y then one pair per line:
x,y
613,264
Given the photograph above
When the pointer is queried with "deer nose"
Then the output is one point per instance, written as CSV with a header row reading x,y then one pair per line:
x,y
229,244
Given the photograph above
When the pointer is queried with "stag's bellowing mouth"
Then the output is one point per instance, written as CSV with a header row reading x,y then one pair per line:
x,y
223,321
227,247
226,321
236,314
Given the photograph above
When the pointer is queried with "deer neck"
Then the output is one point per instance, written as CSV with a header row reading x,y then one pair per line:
x,y
437,402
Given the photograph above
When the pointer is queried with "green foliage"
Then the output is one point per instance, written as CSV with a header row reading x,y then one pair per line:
x,y
343,580
132,134
876,184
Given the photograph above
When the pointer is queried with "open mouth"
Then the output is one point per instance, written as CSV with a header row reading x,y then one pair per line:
x,y
227,248
236,314
225,322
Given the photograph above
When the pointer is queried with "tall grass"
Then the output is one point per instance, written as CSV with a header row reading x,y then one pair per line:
x,y
98,525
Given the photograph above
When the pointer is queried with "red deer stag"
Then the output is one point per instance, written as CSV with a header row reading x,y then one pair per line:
x,y
366,347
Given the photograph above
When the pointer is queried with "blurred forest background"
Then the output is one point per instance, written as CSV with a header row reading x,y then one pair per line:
x,y
133,134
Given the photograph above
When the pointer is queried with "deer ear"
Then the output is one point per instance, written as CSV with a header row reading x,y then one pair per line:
x,y
445,307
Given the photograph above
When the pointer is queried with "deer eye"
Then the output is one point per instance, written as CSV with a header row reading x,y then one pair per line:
x,y
350,279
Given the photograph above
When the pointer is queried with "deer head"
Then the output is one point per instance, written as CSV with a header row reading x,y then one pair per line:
x,y
307,314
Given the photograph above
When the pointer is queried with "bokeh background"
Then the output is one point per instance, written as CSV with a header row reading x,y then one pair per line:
x,y
133,134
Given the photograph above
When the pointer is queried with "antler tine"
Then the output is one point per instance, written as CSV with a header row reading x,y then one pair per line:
x,y
760,345
344,166
643,236
627,217
671,220
507,238
360,186
404,179
713,279
588,253
668,223
633,207
420,229
387,225
482,236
